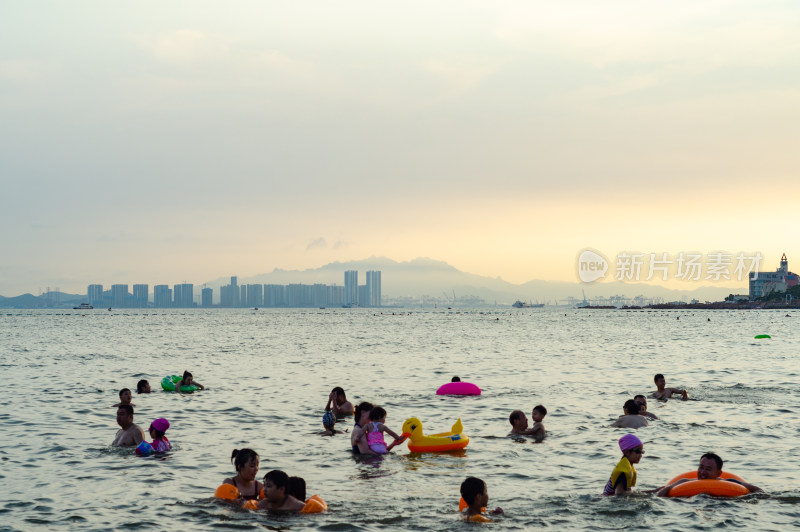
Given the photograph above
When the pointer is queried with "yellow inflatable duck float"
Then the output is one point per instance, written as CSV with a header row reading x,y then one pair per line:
x,y
446,441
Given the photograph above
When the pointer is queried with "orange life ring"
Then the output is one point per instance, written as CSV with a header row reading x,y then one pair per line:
x,y
462,504
314,505
228,492
717,487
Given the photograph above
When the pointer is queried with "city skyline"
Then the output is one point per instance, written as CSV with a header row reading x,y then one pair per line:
x,y
500,138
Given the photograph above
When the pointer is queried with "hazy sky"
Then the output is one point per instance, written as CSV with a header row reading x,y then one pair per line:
x,y
159,142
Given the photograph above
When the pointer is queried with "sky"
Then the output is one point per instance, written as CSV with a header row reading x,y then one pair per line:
x,y
163,142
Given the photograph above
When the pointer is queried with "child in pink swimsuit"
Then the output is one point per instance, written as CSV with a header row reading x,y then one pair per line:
x,y
375,429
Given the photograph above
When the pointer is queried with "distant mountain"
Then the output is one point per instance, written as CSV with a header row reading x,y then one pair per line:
x,y
49,300
436,279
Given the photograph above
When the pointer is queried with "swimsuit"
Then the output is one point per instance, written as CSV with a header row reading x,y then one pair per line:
x,y
161,446
625,470
375,440
248,497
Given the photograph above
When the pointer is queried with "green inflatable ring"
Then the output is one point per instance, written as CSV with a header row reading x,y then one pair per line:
x,y
760,336
169,382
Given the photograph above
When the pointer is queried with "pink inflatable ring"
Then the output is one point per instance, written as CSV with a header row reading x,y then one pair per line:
x,y
458,388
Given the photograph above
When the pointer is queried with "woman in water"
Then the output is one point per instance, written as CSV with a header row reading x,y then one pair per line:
x,y
246,463
358,438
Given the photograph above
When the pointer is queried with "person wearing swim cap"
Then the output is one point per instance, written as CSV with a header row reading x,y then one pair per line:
x,y
623,477
710,468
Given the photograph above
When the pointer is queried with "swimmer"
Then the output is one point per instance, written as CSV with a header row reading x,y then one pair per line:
x,y
630,418
641,400
519,423
143,386
124,398
375,429
160,443
664,393
623,477
130,434
710,468
358,438
276,497
188,380
537,429
328,423
246,463
338,403
476,495
297,488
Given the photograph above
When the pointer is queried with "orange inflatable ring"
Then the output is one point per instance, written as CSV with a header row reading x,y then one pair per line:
x,y
228,492
479,518
719,488
250,504
462,505
314,505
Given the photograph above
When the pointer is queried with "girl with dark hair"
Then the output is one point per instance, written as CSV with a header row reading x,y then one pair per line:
x,y
246,463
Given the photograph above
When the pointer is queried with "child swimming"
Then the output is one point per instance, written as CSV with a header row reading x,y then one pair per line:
x,y
160,443
375,429
246,463
476,495
187,380
623,477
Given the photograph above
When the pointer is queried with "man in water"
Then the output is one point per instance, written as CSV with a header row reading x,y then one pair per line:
x,y
130,435
641,400
710,468
664,393
631,419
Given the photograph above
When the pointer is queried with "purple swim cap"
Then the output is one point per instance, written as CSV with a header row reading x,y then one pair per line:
x,y
629,441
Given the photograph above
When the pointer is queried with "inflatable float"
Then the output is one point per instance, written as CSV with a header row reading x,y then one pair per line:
x,y
716,487
762,336
445,441
458,388
314,505
168,384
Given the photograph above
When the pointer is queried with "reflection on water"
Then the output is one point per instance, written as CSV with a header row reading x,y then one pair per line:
x,y
269,374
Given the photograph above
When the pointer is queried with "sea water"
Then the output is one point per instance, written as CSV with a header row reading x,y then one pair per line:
x,y
268,374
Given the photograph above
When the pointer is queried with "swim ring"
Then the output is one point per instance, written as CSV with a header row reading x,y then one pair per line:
x,y
168,383
227,491
314,505
716,487
761,336
458,388
445,441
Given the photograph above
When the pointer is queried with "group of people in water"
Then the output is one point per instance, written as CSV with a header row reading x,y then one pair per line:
x,y
623,476
130,434
280,492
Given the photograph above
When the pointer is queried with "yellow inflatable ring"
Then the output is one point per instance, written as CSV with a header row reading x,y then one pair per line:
x,y
716,487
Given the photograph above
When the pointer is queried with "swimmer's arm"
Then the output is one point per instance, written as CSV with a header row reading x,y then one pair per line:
x,y
138,436
391,433
328,404
751,487
199,386
664,492
683,393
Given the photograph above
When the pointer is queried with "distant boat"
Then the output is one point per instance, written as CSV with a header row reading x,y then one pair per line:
x,y
522,304
83,306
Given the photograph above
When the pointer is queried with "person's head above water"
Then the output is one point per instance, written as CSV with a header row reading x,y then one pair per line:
x,y
631,407
275,484
517,416
159,427
245,461
471,488
125,396
362,412
710,467
641,400
143,386
125,416
456,379
538,413
632,448
341,397
297,488
377,414
187,378
659,380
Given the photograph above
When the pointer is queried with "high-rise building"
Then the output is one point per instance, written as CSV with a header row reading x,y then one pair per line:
x,y
183,295
274,295
162,296
351,288
235,291
141,293
206,296
94,294
374,288
255,295
119,295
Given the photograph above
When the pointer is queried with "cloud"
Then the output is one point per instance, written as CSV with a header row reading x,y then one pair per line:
x,y
317,243
339,245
